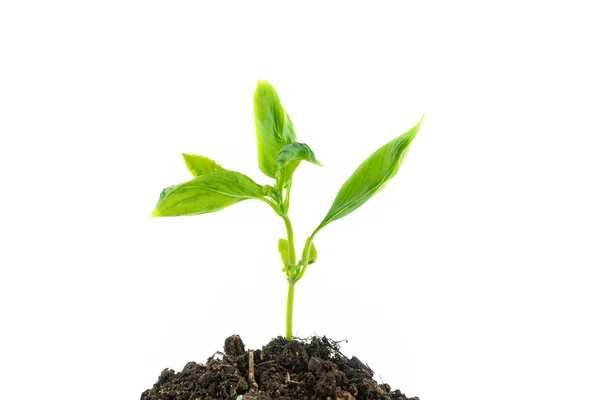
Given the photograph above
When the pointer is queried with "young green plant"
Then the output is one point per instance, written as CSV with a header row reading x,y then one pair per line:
x,y
214,188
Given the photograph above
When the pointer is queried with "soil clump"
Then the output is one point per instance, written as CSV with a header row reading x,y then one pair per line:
x,y
309,369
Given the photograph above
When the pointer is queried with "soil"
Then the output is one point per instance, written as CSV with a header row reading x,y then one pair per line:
x,y
304,369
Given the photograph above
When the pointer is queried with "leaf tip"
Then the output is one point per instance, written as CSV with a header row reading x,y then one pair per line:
x,y
263,84
410,134
186,160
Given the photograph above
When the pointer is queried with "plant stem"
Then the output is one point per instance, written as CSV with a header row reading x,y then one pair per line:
x,y
287,196
290,238
273,205
285,205
305,256
289,311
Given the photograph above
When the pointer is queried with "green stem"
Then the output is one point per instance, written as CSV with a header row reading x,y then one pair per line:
x,y
273,205
291,285
305,256
285,206
289,311
287,196
290,237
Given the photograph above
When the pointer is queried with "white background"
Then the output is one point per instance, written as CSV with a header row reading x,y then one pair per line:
x,y
473,275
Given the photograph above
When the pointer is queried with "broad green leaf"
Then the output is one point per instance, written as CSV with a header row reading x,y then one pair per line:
x,y
312,255
274,127
289,159
282,246
371,176
207,193
200,165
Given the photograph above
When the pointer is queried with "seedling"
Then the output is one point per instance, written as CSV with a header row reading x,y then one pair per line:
x,y
279,154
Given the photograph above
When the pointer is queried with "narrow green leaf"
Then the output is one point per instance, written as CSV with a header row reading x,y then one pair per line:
x,y
207,193
282,246
312,255
370,177
200,165
274,127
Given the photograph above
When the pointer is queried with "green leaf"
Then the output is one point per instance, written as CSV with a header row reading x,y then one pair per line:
x,y
268,190
370,177
200,165
274,127
289,159
282,246
312,255
296,152
207,193
165,192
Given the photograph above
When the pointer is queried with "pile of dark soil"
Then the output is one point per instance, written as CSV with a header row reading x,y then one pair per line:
x,y
300,369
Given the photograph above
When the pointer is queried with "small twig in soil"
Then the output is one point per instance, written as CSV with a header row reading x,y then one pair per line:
x,y
288,380
265,362
251,369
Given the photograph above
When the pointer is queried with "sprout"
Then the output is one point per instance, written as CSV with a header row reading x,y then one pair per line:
x,y
279,154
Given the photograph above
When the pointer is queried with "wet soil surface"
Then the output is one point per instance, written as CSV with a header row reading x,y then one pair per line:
x,y
301,369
